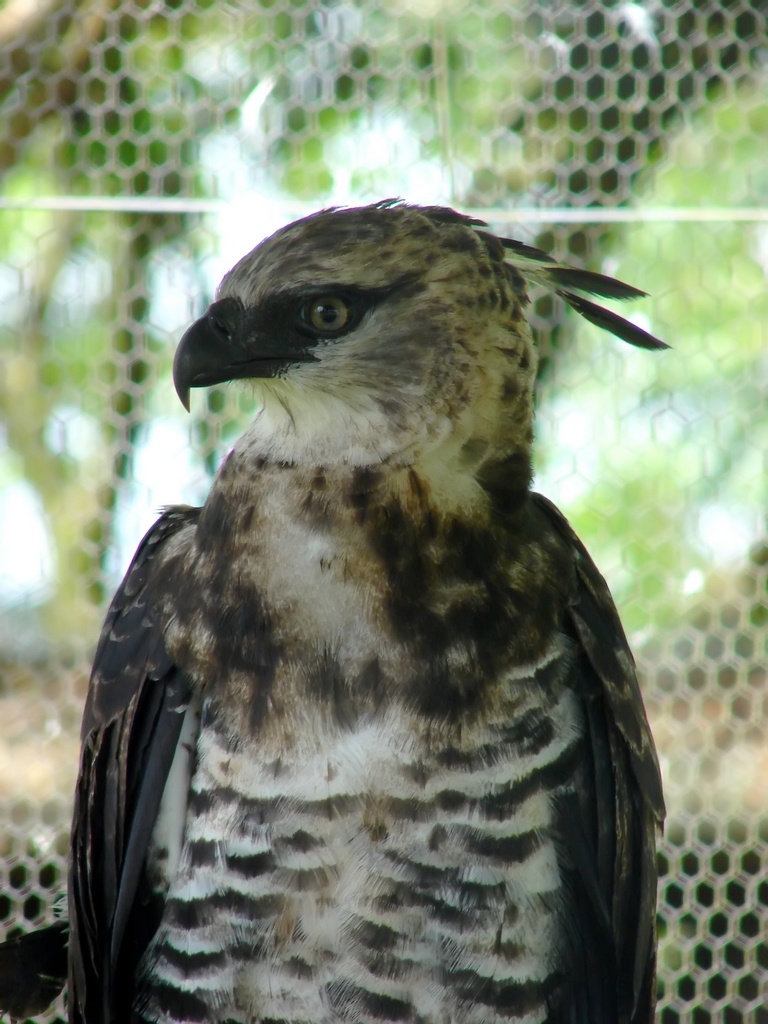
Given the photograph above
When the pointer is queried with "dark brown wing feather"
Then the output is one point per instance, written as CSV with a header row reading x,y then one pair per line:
x,y
609,827
131,724
33,969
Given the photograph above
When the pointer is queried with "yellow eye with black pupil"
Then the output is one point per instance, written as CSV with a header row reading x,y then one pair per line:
x,y
327,313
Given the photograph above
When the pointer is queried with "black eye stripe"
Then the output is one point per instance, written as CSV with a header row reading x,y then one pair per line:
x,y
287,312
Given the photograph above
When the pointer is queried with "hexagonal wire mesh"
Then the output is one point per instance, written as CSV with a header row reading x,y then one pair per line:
x,y
145,144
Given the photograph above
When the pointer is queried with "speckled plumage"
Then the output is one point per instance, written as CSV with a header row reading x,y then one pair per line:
x,y
409,773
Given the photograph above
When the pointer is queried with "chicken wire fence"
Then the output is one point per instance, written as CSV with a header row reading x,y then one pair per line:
x,y
147,144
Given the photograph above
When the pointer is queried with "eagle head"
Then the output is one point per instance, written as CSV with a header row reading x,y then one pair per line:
x,y
388,333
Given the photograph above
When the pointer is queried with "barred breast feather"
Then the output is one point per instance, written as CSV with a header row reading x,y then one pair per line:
x,y
377,872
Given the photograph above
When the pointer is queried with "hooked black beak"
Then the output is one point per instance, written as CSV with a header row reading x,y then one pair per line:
x,y
200,358
224,345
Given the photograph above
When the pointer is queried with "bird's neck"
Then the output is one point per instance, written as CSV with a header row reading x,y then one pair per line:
x,y
453,466
452,482
445,436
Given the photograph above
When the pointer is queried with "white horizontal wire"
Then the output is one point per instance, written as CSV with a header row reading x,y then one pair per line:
x,y
621,215
117,204
493,214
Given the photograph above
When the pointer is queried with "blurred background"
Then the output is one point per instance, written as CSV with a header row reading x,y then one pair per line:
x,y
145,145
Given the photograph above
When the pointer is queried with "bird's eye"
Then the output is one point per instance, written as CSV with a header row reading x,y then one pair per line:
x,y
326,313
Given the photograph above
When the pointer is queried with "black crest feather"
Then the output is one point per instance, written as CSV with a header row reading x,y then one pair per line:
x,y
612,322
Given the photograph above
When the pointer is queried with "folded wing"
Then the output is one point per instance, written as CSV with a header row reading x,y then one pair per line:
x,y
131,726
609,826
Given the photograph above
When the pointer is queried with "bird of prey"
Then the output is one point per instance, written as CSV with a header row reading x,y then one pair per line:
x,y
364,740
